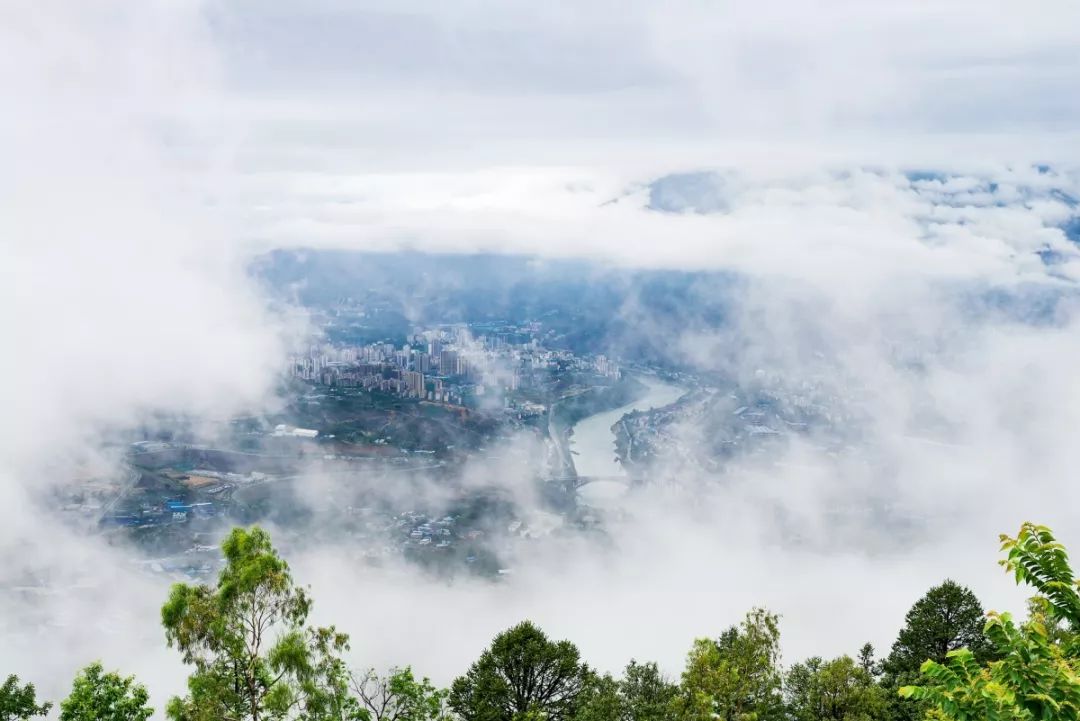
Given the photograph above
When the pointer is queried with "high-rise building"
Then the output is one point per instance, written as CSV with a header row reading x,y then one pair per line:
x,y
449,363
414,383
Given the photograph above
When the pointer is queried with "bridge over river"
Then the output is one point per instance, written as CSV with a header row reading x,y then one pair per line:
x,y
575,481
592,440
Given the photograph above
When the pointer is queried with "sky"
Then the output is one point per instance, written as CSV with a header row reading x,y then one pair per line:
x,y
152,147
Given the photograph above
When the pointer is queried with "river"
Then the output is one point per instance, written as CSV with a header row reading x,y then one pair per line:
x,y
593,443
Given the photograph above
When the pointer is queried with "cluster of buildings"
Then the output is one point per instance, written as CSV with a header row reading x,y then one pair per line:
x,y
411,530
441,365
170,511
711,426
283,430
423,531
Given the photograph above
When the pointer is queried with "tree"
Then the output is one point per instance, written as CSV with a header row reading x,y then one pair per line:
x,y
399,696
867,662
736,677
601,700
1036,673
19,703
646,694
1058,630
642,694
99,696
255,658
837,690
522,674
947,618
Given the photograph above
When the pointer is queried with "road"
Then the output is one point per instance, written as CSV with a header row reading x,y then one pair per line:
x,y
133,476
557,434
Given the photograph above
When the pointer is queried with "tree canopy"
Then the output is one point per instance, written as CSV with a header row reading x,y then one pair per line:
x,y
1036,674
253,654
522,673
19,702
647,695
254,657
398,696
837,690
948,617
100,696
736,677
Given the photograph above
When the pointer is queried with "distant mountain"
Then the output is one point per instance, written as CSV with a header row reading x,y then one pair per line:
x,y
637,314
703,191
716,191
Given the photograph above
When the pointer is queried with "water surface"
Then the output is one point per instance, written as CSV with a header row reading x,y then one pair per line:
x,y
593,442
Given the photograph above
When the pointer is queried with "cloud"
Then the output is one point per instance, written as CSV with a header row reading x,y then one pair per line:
x,y
123,300
955,428
859,224
156,145
421,84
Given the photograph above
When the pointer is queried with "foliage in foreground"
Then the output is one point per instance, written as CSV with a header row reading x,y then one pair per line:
x,y
18,702
523,674
254,657
948,618
100,696
736,676
1037,674
399,696
837,690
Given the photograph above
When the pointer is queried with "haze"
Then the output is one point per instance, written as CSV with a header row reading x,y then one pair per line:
x,y
893,185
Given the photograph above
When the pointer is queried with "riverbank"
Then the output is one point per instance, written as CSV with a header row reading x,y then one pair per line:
x,y
593,439
566,414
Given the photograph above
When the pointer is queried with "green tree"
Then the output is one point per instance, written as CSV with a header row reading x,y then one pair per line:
x,y
1058,629
99,696
736,677
642,694
18,703
254,656
837,690
521,675
867,662
601,700
646,694
947,618
1036,673
399,696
